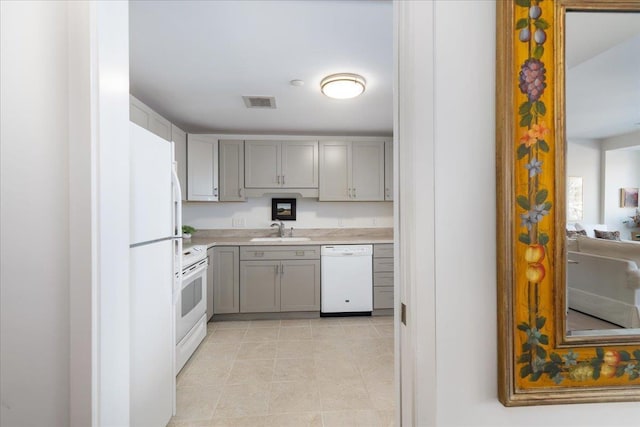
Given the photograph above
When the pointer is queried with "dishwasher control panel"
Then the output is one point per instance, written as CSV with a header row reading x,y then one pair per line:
x,y
347,250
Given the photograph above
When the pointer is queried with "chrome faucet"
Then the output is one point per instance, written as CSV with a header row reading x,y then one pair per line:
x,y
280,227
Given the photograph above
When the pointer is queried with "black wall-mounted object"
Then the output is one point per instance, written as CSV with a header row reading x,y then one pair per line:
x,y
283,209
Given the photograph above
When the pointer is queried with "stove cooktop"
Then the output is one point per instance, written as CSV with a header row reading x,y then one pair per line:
x,y
193,254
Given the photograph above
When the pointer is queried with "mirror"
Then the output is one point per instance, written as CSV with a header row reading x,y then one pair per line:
x,y
541,360
602,93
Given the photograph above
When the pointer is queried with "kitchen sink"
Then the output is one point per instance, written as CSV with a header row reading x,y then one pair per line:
x,y
280,239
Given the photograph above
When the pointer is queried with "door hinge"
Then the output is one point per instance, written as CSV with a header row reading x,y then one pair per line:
x,y
403,314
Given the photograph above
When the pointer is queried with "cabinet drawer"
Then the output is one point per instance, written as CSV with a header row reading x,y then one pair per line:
x,y
248,253
383,297
384,250
383,279
382,264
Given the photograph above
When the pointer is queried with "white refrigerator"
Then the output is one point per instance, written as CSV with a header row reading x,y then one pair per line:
x,y
155,251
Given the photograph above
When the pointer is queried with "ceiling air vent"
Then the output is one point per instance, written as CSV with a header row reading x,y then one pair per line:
x,y
259,101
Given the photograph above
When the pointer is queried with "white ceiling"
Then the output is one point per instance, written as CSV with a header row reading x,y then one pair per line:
x,y
603,75
192,61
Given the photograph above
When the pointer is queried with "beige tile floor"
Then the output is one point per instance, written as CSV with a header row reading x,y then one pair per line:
x,y
320,372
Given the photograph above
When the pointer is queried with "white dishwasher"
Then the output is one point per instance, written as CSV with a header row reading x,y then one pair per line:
x,y
346,280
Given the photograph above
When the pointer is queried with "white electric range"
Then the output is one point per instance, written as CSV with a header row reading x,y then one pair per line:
x,y
191,304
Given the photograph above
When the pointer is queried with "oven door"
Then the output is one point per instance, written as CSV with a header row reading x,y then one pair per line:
x,y
192,299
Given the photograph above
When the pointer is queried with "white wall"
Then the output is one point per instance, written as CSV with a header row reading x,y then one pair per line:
x,y
64,214
583,159
34,269
622,170
465,355
256,213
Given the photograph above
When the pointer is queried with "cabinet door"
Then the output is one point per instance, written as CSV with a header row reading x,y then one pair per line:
x,y
142,115
334,170
367,171
262,164
299,164
300,285
202,158
259,286
231,171
226,279
210,279
383,297
388,170
179,138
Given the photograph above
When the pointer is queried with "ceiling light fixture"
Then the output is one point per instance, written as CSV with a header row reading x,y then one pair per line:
x,y
343,85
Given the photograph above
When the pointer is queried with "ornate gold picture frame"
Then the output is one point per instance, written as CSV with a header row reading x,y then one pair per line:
x,y
538,363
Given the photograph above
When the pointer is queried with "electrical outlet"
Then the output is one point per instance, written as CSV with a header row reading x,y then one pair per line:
x,y
373,221
340,223
237,222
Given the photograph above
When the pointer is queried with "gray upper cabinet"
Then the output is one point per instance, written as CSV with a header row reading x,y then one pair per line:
x,y
367,171
179,138
231,170
142,115
351,171
281,164
262,164
335,160
226,279
388,170
202,173
299,164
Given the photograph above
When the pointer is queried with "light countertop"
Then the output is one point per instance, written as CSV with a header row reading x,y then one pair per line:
x,y
328,236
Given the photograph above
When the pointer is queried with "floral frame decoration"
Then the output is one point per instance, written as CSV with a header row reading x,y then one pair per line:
x,y
537,362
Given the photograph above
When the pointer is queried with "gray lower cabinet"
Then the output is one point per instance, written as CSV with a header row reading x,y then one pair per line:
x,y
260,286
226,279
279,278
383,276
300,285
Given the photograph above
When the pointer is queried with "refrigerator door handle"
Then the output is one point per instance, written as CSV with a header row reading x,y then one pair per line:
x,y
177,232
177,268
177,204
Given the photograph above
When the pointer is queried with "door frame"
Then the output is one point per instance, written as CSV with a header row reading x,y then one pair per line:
x,y
413,194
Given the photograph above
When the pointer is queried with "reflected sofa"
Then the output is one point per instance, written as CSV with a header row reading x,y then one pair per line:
x,y
603,279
